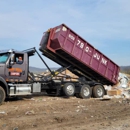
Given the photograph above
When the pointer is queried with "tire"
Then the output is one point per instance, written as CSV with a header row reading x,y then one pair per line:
x,y
98,91
85,92
2,95
69,89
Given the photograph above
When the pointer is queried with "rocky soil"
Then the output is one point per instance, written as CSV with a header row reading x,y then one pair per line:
x,y
59,113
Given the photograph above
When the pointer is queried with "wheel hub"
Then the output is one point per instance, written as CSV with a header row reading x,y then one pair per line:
x,y
99,91
86,91
70,89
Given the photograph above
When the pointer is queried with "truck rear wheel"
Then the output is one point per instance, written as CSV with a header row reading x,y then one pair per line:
x,y
69,89
98,91
2,95
85,92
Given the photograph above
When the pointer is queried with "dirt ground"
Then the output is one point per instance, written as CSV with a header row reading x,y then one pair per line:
x,y
57,113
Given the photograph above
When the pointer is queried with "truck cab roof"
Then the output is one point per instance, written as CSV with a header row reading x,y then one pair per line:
x,y
6,51
9,51
30,52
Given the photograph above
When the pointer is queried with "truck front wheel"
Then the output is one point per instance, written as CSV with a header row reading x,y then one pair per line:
x,y
98,91
2,95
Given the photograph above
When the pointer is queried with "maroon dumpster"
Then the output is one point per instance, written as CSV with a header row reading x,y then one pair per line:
x,y
65,47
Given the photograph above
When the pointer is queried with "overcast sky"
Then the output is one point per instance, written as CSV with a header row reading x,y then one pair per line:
x,y
103,23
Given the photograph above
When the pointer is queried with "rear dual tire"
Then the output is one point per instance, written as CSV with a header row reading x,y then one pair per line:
x,y
98,91
85,92
69,89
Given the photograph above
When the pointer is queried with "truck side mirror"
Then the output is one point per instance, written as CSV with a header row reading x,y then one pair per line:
x,y
12,59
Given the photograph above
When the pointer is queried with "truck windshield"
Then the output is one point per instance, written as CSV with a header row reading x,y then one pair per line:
x,y
4,57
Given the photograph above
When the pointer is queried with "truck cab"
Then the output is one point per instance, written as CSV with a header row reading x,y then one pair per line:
x,y
12,73
10,69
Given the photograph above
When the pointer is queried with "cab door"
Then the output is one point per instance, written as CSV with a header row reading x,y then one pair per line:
x,y
17,72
